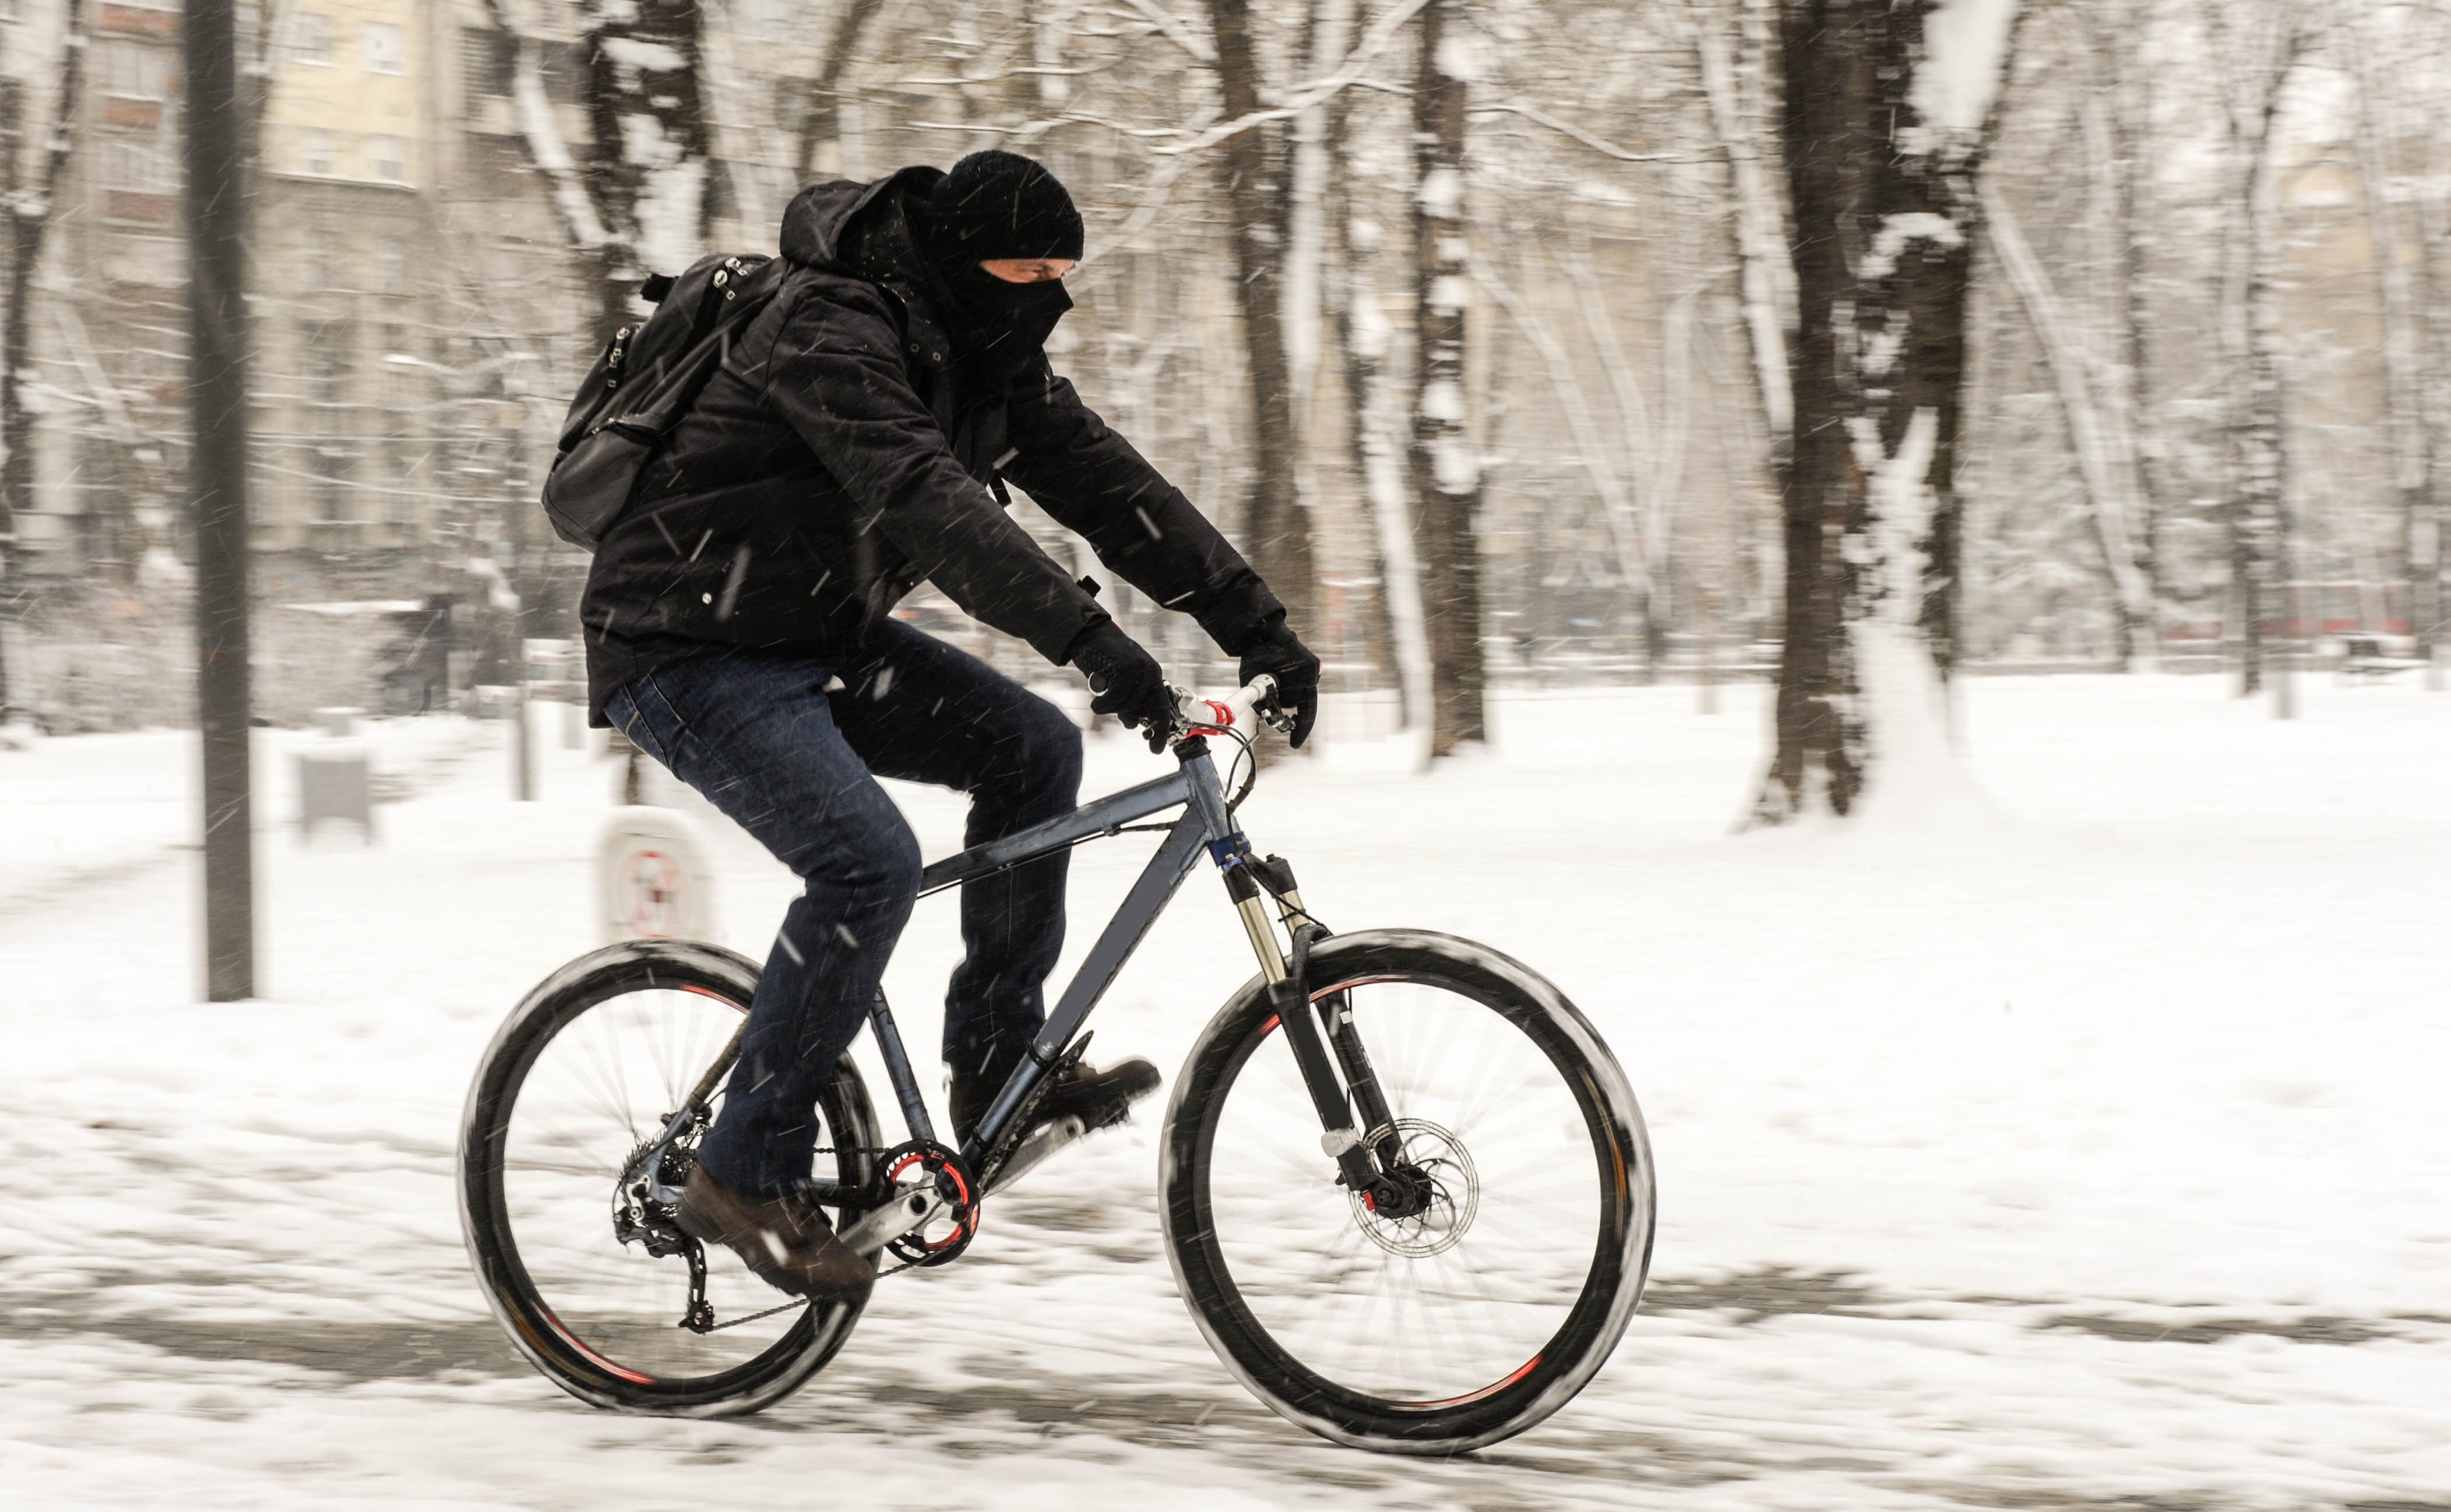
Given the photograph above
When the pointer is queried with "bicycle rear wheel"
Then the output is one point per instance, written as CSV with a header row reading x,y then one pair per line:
x,y
1485,1311
593,1284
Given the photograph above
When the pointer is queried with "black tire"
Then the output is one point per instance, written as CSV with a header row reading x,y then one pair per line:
x,y
1536,1030
585,1368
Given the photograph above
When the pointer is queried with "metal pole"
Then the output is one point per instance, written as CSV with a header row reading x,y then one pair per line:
x,y
523,756
217,481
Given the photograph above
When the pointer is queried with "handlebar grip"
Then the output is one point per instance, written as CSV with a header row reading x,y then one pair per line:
x,y
1253,701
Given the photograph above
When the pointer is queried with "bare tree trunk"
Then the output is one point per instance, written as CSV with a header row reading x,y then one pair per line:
x,y
648,161
2404,332
29,218
2434,279
2262,50
1446,471
820,136
590,235
1886,125
1277,529
1766,281
2112,336
2104,467
1652,462
1366,340
1628,537
1331,37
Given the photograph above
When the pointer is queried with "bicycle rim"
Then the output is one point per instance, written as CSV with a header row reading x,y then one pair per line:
x,y
1481,1312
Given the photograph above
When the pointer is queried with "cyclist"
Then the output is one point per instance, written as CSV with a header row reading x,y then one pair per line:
x,y
855,442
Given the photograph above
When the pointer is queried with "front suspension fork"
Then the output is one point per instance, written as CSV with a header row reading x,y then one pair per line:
x,y
1335,1066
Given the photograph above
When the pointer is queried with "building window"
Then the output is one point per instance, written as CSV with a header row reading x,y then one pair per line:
x,y
488,60
391,275
387,159
311,39
136,165
324,258
379,49
132,71
328,361
323,154
331,468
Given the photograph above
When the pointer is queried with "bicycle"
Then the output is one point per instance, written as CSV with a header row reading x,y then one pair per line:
x,y
1407,1193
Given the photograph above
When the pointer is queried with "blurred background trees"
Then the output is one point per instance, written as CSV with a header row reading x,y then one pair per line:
x,y
1522,341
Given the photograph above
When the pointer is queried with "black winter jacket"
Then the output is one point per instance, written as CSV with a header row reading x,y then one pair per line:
x,y
833,461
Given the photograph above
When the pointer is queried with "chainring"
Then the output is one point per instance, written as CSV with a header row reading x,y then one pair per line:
x,y
952,1182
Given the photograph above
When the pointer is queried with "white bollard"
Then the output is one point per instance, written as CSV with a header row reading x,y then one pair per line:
x,y
652,877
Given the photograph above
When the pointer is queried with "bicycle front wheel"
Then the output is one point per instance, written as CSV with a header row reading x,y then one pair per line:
x,y
1486,1309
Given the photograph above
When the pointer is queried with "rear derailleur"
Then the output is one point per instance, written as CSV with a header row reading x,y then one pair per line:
x,y
643,1212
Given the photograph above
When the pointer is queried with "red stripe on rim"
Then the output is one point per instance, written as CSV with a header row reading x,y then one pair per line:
x,y
707,992
1490,1390
591,1356
1270,1027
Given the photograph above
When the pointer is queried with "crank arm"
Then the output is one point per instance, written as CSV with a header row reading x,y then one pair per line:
x,y
911,1207
1044,1141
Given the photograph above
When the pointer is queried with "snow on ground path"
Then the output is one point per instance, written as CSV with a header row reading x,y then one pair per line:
x,y
2094,1158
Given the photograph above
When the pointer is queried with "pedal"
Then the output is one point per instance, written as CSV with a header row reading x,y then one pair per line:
x,y
1044,1141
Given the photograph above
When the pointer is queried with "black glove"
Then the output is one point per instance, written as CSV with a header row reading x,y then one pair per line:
x,y
1127,682
1278,651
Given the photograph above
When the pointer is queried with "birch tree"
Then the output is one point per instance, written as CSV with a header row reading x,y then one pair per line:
x,y
2259,44
1366,340
1888,111
1732,82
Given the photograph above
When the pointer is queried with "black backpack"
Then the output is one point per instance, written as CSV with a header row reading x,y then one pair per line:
x,y
644,383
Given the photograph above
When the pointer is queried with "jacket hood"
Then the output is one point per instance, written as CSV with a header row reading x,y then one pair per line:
x,y
816,220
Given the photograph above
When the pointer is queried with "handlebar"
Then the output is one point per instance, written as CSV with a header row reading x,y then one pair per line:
x,y
1256,700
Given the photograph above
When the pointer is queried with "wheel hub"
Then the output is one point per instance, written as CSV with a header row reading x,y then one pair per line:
x,y
1427,1197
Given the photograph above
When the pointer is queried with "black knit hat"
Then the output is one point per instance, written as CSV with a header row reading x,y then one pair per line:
x,y
996,204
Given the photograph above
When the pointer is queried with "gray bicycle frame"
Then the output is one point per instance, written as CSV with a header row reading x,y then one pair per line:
x,y
1207,824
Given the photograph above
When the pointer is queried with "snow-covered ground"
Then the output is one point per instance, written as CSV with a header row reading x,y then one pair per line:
x,y
2086,1151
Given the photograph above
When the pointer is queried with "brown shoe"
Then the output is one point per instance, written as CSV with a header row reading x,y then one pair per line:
x,y
785,1241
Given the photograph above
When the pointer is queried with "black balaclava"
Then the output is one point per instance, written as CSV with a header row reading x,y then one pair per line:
x,y
997,204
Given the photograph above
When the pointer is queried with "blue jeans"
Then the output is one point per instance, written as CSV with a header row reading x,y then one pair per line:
x,y
759,736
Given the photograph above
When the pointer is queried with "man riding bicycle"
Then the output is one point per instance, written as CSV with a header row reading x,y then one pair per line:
x,y
856,441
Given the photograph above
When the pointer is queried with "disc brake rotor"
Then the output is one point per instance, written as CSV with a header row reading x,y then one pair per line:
x,y
1450,1198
